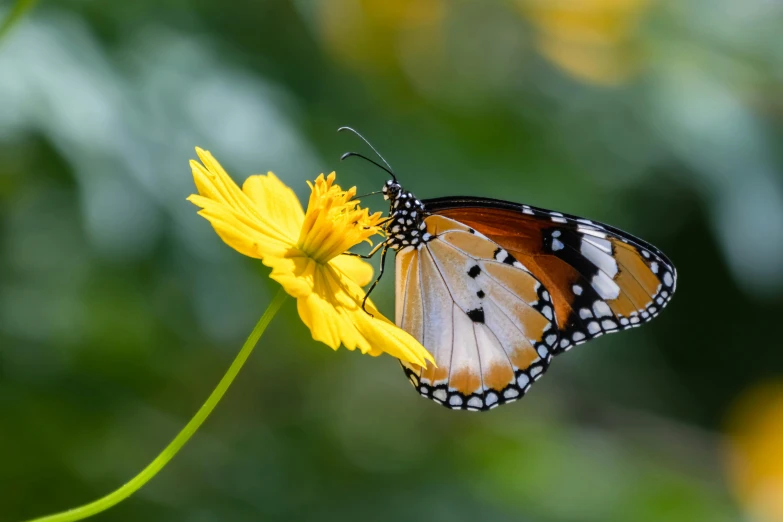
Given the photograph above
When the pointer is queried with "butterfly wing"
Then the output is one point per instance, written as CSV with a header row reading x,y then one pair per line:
x,y
489,324
600,279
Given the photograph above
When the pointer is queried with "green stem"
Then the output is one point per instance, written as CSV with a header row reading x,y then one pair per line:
x,y
17,12
175,445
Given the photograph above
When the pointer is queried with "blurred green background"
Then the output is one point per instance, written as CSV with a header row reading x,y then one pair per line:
x,y
120,308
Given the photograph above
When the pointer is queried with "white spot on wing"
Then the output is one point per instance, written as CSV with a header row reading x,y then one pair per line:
x,y
602,309
577,289
491,399
455,400
599,258
608,324
603,244
591,231
667,279
475,402
511,393
557,245
605,287
440,394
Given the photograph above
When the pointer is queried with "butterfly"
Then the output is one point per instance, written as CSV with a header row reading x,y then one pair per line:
x,y
494,289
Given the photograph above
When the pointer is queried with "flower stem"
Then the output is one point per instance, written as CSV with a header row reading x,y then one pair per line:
x,y
183,436
17,12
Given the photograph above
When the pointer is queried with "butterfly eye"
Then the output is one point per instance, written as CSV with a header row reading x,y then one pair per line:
x,y
392,189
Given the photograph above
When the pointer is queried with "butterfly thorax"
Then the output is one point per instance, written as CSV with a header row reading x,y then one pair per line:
x,y
406,225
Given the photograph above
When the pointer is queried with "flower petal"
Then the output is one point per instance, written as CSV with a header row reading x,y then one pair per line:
x,y
334,314
213,183
239,232
294,271
276,201
355,268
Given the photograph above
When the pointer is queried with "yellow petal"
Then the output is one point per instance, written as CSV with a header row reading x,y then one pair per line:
x,y
334,314
294,271
355,268
214,184
334,221
275,201
244,235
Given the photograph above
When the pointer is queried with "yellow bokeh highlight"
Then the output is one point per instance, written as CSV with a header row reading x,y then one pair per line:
x,y
754,451
592,40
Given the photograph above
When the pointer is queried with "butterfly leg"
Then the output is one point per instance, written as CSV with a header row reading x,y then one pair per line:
x,y
366,256
380,275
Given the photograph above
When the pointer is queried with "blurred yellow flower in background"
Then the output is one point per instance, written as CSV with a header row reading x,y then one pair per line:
x,y
755,451
264,220
366,34
592,40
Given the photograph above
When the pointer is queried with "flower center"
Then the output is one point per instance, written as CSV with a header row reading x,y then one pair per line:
x,y
333,223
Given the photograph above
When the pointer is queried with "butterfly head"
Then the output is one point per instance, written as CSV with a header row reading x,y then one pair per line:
x,y
391,190
406,225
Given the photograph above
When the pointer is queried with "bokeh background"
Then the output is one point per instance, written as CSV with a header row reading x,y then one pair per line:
x,y
120,308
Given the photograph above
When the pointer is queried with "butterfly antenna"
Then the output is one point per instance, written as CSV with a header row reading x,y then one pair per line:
x,y
349,154
389,168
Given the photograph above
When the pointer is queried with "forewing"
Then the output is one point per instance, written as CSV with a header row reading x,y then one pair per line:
x,y
600,279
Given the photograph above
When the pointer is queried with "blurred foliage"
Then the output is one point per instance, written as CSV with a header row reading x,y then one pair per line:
x,y
120,309
14,15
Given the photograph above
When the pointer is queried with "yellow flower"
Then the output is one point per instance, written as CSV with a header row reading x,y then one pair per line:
x,y
264,220
755,451
595,41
